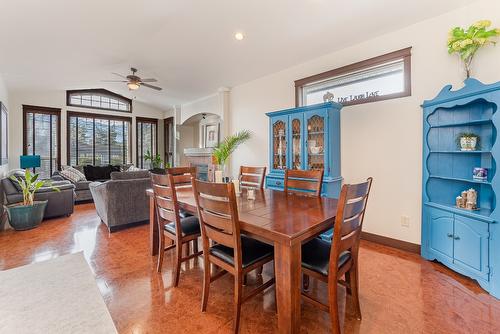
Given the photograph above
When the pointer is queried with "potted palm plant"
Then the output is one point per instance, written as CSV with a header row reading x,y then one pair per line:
x,y
29,213
222,152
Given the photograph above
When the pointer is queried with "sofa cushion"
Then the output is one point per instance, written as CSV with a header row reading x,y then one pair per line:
x,y
96,173
189,226
252,251
72,174
316,256
82,185
142,174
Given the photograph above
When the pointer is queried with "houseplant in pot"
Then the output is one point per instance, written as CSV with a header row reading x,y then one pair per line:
x,y
156,162
222,152
468,141
29,213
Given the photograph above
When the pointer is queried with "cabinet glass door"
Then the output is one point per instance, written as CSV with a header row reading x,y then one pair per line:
x,y
279,152
316,142
296,133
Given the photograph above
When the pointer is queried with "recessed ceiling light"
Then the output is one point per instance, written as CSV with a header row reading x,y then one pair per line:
x,y
239,36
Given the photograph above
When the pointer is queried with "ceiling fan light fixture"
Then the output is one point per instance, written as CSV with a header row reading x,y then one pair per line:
x,y
133,85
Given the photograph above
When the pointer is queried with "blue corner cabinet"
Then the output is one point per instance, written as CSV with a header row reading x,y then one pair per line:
x,y
465,240
306,138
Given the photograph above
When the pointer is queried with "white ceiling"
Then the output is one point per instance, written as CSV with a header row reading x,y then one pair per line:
x,y
188,45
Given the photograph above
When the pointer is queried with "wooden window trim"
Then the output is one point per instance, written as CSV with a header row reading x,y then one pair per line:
x,y
97,91
148,121
96,116
404,54
42,110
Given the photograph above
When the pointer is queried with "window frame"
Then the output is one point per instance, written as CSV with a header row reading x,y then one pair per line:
x,y
100,91
146,120
404,54
47,111
94,117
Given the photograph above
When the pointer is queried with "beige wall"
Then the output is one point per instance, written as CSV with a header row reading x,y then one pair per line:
x,y
382,139
57,99
4,98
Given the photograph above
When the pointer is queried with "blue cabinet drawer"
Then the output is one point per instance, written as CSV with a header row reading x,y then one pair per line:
x,y
274,183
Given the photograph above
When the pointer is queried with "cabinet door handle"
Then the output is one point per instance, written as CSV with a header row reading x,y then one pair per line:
x,y
449,235
456,237
278,183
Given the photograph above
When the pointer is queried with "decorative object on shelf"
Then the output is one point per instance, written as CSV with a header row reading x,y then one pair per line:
x,y
480,174
29,213
222,152
468,141
466,42
310,140
461,232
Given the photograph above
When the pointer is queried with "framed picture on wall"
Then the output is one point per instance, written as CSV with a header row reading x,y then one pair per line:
x,y
4,136
211,135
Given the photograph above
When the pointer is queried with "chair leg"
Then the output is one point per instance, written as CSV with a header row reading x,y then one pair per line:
x,y
177,268
305,282
259,270
206,283
238,292
354,283
334,307
161,252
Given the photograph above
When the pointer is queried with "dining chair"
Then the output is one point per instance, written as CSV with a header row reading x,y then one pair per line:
x,y
252,177
303,182
180,230
233,252
182,177
330,261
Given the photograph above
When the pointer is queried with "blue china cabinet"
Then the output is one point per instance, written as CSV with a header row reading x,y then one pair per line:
x,y
306,138
465,240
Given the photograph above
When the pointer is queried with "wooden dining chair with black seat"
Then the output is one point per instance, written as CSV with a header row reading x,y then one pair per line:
x,y
171,224
232,252
182,177
303,182
331,261
252,177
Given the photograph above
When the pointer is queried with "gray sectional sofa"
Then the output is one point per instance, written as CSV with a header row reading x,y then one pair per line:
x,y
122,200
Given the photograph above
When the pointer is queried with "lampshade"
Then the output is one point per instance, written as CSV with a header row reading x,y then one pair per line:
x,y
30,161
133,85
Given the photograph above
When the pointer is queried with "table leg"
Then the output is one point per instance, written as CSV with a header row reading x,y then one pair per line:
x,y
153,227
287,262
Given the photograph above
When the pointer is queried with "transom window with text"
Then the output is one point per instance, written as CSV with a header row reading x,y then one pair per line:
x,y
98,139
147,140
381,78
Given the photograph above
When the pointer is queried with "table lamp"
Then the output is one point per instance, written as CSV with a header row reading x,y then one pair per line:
x,y
30,161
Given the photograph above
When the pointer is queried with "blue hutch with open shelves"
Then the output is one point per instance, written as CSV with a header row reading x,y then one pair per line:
x,y
467,241
306,138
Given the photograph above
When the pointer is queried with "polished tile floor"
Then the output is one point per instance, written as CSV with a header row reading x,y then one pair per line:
x,y
400,293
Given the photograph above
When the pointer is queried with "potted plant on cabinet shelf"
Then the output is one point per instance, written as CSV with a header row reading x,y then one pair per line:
x,y
222,152
466,42
468,141
156,162
29,213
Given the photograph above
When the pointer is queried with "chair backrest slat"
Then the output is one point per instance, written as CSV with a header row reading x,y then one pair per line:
x,y
349,221
165,196
252,177
218,215
303,182
182,175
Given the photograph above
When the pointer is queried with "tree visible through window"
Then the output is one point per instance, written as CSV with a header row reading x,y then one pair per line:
x,y
98,139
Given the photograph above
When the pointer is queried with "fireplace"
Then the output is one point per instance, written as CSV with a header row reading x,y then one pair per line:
x,y
201,158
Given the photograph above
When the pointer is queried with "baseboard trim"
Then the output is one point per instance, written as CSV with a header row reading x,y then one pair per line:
x,y
394,243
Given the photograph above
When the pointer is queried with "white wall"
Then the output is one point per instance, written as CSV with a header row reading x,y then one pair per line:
x,y
4,98
57,99
381,139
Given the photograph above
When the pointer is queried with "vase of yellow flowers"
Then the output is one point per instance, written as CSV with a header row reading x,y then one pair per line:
x,y
467,41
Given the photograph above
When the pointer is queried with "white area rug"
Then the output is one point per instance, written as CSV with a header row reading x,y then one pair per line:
x,y
55,296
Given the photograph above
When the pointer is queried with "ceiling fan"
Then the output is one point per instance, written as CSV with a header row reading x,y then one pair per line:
x,y
133,81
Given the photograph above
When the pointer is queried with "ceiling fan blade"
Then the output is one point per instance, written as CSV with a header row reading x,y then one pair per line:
x,y
114,81
150,86
118,74
149,80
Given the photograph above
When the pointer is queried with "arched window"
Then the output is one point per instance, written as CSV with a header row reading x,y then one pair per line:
x,y
98,99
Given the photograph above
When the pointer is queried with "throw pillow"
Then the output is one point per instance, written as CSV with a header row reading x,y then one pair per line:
x,y
133,169
72,174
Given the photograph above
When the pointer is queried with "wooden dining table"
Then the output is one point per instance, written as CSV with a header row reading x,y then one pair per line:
x,y
283,220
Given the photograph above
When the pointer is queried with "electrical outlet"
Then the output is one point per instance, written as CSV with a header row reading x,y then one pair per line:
x,y
405,221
